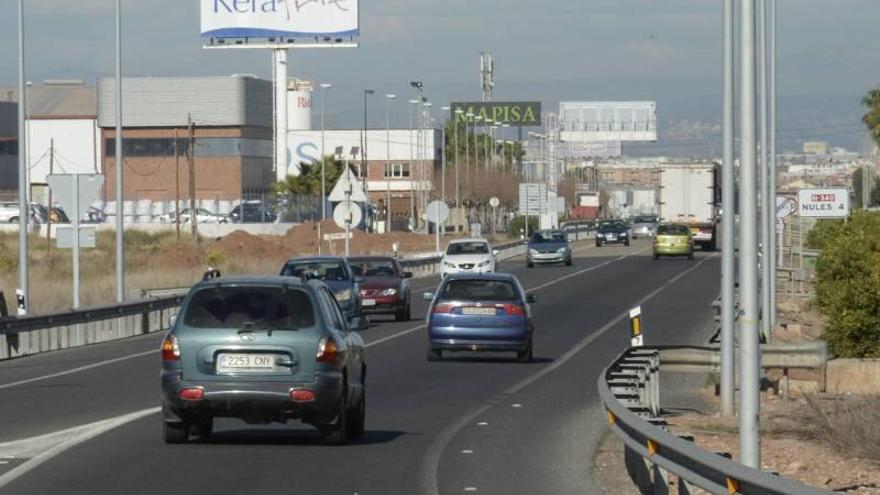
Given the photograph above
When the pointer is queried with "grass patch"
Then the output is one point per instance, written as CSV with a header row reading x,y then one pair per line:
x,y
849,426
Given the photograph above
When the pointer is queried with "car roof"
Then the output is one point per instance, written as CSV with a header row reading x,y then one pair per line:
x,y
317,258
500,276
254,280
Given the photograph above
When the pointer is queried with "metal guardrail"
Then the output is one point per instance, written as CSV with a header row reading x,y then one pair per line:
x,y
629,390
20,336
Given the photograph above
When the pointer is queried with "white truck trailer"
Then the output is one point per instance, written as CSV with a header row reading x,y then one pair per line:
x,y
690,194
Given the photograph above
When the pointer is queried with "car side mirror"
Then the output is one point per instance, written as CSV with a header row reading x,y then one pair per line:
x,y
359,323
171,320
407,275
494,252
428,296
531,298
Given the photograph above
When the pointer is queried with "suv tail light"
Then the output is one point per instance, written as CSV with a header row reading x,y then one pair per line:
x,y
327,351
514,310
443,308
171,348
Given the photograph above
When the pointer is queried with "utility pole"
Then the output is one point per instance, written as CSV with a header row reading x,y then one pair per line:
x,y
176,184
120,165
193,217
768,213
750,350
23,207
728,225
389,167
366,172
49,209
774,242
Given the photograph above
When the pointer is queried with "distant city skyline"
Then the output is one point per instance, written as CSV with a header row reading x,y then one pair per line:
x,y
565,50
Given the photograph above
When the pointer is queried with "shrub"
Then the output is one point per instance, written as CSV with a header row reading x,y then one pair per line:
x,y
8,264
822,232
215,258
848,286
517,224
850,426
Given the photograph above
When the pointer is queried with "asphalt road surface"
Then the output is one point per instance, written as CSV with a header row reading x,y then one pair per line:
x,y
479,424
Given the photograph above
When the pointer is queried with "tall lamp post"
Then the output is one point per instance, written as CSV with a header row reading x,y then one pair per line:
x,y
324,88
443,154
426,126
412,168
467,145
120,163
367,92
23,208
388,166
455,117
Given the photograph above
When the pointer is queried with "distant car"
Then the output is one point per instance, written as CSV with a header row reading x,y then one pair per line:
x,y
468,256
614,231
674,240
264,350
9,212
251,213
385,289
480,312
548,247
203,216
644,226
336,272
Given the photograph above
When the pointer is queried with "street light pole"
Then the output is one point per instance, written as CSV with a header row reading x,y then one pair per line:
x,y
23,207
412,190
388,165
443,155
366,172
324,88
771,19
458,112
767,215
120,164
728,226
750,357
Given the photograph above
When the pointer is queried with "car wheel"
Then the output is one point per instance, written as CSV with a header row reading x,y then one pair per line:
x,y
529,264
176,432
357,418
526,355
336,433
435,354
404,314
13,220
656,256
568,262
598,244
626,243
691,254
204,427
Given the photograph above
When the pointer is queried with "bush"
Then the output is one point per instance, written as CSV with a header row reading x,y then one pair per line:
x,y
517,224
848,286
8,264
215,258
850,426
822,232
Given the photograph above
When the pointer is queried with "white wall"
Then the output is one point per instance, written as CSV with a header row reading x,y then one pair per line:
x,y
77,147
305,146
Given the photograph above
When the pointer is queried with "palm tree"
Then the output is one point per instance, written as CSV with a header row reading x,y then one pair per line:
x,y
871,118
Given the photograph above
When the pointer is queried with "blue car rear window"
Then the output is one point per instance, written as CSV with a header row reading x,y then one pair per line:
x,y
479,290
261,307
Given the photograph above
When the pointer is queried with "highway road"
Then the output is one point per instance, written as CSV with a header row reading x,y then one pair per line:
x,y
471,424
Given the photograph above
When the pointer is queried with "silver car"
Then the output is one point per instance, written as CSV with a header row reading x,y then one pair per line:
x,y
644,226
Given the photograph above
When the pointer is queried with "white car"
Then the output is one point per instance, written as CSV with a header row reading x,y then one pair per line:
x,y
202,216
468,256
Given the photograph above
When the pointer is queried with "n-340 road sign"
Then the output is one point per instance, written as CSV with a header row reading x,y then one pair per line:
x,y
824,203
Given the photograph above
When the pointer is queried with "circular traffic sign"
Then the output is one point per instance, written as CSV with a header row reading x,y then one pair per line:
x,y
347,212
437,212
785,207
494,202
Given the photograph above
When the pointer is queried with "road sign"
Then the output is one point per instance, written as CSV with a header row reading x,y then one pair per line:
x,y
533,199
824,203
75,192
65,240
347,213
337,236
494,202
785,207
347,181
437,211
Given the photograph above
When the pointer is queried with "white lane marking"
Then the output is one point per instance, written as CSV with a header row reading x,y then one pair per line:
x,y
467,451
533,289
81,368
45,447
431,461
483,423
517,406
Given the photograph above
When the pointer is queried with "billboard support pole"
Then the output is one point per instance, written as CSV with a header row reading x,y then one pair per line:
x,y
280,61
120,164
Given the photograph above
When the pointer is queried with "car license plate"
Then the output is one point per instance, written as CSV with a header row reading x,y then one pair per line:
x,y
478,311
611,236
245,362
368,302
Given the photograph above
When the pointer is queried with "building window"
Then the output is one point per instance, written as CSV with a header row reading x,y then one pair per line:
x,y
143,147
396,170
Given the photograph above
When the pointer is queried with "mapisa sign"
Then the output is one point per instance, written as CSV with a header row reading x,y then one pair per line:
x,y
281,18
824,203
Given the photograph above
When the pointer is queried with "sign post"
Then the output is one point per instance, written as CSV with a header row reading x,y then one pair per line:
x,y
635,325
75,192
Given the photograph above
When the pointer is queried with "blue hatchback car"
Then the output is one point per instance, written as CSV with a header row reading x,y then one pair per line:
x,y
481,313
336,272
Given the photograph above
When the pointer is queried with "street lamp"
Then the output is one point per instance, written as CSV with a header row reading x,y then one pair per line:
x,y
324,88
467,142
458,113
367,92
426,124
504,149
412,191
388,165
443,156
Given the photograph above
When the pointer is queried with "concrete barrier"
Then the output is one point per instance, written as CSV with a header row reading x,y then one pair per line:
x,y
853,376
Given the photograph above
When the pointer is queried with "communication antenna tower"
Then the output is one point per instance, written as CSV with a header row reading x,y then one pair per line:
x,y
487,75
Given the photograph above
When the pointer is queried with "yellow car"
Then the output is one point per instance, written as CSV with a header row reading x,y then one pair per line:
x,y
673,240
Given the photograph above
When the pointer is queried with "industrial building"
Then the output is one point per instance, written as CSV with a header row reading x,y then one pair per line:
x,y
8,149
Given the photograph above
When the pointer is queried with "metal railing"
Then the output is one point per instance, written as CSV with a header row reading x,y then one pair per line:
x,y
630,392
21,336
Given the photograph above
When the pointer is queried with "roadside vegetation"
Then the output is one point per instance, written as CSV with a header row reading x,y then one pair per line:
x,y
848,283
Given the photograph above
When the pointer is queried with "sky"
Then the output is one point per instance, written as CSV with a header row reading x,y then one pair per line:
x,y
548,50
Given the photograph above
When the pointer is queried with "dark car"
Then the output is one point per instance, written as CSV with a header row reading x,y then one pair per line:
x,y
334,271
479,313
614,231
263,350
385,289
547,247
252,213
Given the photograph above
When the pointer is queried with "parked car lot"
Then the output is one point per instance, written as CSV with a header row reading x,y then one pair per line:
x,y
266,349
385,289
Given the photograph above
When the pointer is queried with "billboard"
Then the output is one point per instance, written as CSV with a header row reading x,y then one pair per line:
x,y
281,18
589,121
515,114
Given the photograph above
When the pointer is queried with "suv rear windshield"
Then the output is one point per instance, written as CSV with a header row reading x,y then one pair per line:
x,y
672,230
321,270
260,307
541,237
468,248
479,290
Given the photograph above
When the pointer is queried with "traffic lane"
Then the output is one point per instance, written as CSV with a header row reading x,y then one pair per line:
x,y
129,380
543,437
410,401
